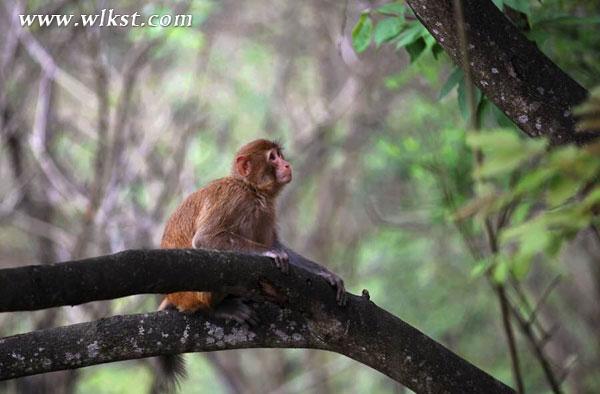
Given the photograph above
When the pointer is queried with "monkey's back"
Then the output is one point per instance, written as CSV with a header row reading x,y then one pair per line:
x,y
178,233
225,204
179,229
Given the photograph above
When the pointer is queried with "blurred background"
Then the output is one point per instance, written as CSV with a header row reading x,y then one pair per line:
x,y
105,130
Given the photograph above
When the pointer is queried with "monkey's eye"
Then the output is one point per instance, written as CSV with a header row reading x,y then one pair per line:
x,y
272,156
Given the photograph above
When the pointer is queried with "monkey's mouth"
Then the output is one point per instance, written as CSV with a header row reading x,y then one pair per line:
x,y
285,178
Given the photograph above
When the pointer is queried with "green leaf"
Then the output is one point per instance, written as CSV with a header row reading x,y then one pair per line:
x,y
429,40
564,156
411,144
514,232
534,241
501,270
362,32
521,212
567,20
480,268
415,49
387,29
566,219
501,118
535,147
498,165
411,34
436,50
504,139
561,189
504,150
537,35
521,265
592,199
453,79
461,96
392,9
391,150
462,99
533,180
555,245
519,5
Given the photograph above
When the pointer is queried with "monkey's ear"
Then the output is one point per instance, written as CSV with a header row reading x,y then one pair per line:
x,y
243,166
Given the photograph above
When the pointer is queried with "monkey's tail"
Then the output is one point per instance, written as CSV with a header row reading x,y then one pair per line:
x,y
171,371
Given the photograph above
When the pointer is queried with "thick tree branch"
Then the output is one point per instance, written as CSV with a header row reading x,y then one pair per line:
x,y
512,72
308,317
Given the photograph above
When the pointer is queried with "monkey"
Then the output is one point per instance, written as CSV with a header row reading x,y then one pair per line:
x,y
234,213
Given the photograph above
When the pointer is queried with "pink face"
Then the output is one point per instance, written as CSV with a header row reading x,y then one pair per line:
x,y
283,169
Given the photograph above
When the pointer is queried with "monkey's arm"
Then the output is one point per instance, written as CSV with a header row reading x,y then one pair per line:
x,y
332,278
227,240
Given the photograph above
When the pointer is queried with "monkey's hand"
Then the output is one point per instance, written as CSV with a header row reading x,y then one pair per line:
x,y
281,259
234,308
338,284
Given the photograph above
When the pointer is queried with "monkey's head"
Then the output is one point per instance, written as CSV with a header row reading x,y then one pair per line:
x,y
262,165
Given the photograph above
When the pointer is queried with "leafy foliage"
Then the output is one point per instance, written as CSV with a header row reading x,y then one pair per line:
x,y
361,34
555,197
393,27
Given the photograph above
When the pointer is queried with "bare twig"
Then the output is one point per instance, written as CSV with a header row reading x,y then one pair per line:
x,y
537,346
9,54
596,232
412,221
119,131
523,301
37,52
343,29
57,179
543,298
101,164
43,229
174,172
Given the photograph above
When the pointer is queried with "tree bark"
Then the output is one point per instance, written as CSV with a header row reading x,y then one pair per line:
x,y
508,68
307,317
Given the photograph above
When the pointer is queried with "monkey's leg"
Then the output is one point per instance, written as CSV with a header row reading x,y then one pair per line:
x,y
216,304
190,301
234,308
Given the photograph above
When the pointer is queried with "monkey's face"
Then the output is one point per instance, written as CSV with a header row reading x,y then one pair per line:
x,y
282,170
261,164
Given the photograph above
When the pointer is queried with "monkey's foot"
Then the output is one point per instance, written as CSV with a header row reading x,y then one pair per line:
x,y
281,259
234,308
338,284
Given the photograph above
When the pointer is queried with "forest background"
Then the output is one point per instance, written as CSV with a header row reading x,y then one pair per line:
x,y
105,130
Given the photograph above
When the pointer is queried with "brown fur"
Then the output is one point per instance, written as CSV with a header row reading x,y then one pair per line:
x,y
232,213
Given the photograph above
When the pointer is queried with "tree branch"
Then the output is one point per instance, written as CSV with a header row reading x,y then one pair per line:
x,y
308,317
512,72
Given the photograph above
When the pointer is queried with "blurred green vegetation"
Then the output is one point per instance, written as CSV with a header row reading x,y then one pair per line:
x,y
386,192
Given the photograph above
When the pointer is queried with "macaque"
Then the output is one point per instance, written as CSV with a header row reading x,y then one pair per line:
x,y
235,213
